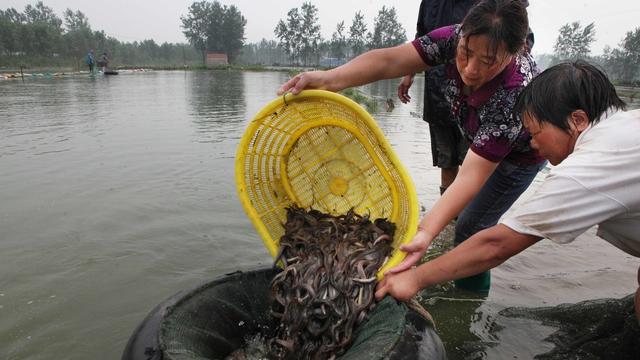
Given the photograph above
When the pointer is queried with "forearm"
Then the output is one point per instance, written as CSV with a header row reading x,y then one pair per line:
x,y
450,204
465,260
473,174
374,65
483,251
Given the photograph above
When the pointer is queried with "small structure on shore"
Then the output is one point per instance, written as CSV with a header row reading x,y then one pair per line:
x,y
216,59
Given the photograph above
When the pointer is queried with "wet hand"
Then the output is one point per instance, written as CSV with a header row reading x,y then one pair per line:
x,y
415,249
403,89
402,286
306,80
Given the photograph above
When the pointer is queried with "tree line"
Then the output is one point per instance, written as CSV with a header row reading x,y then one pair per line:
x,y
299,35
621,63
36,36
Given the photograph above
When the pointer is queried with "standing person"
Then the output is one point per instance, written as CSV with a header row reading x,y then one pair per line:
x,y
91,61
103,62
578,122
486,69
448,147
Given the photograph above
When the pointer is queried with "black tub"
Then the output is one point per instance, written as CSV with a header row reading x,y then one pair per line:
x,y
213,319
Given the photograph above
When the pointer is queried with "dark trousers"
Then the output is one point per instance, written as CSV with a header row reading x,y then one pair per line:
x,y
501,190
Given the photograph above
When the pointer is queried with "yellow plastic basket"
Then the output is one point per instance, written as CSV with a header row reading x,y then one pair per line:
x,y
321,150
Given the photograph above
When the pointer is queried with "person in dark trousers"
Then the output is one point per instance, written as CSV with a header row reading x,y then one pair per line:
x,y
448,147
103,62
91,61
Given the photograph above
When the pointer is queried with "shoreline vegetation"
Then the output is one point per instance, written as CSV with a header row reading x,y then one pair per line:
x,y
39,40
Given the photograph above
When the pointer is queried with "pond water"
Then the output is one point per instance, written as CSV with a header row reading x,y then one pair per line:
x,y
117,192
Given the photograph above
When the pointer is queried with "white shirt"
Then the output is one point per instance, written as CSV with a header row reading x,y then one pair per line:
x,y
597,184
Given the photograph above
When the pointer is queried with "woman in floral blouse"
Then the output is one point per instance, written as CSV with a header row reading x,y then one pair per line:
x,y
487,69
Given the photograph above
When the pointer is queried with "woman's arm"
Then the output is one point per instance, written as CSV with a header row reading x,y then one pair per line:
x,y
483,251
473,174
371,66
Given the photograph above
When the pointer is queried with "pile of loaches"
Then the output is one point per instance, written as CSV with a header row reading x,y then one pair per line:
x,y
328,281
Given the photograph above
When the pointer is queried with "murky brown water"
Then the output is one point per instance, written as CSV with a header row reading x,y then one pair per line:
x,y
117,192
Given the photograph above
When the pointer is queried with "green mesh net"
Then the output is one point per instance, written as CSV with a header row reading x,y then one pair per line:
x,y
213,320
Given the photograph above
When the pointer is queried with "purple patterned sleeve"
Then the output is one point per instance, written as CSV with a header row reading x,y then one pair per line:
x,y
438,46
499,129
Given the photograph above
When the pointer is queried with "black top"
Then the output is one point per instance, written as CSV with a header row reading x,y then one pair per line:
x,y
433,15
436,14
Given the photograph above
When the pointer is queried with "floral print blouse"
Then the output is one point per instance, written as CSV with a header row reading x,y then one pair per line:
x,y
485,116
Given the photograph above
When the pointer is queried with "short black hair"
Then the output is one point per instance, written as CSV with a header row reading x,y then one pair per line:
x,y
502,21
563,88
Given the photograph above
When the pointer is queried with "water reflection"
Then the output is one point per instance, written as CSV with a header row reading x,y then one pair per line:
x,y
217,98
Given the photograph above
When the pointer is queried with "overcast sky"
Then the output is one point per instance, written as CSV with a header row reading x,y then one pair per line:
x,y
129,20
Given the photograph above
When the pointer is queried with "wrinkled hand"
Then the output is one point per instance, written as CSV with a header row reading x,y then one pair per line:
x,y
306,80
415,249
403,88
402,286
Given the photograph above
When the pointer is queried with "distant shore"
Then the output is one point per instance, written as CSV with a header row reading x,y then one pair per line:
x,y
30,72
630,94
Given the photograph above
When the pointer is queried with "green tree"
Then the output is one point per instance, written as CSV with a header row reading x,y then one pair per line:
x,y
233,24
196,26
339,42
149,50
623,63
631,50
574,41
8,30
299,35
215,32
289,34
387,31
357,35
266,52
310,31
613,62
42,14
78,38
44,32
214,27
13,16
22,36
75,20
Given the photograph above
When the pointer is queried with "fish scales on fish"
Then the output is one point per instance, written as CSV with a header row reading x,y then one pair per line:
x,y
327,284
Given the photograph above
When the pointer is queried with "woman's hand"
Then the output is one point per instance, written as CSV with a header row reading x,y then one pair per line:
x,y
415,249
403,88
402,286
307,80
